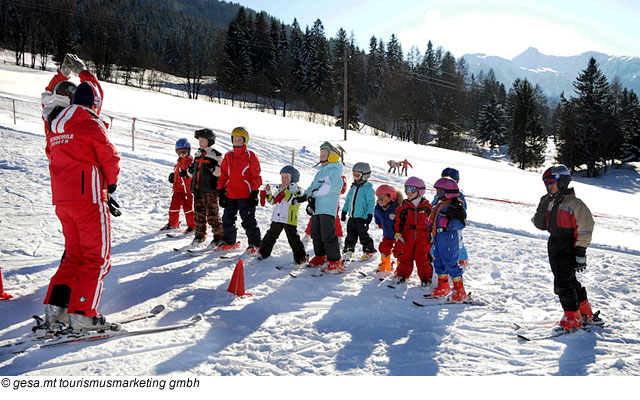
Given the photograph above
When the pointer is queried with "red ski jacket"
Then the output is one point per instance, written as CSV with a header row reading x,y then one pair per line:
x,y
240,173
182,184
82,161
411,221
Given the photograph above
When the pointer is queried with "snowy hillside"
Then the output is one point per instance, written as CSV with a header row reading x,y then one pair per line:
x,y
332,325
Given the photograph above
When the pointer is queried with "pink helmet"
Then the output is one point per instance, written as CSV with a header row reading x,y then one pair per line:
x,y
448,186
386,189
417,183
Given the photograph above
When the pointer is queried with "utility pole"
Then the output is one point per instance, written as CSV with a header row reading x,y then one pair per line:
x,y
344,112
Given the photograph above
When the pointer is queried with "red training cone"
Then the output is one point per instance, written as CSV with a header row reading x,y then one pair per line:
x,y
236,286
3,295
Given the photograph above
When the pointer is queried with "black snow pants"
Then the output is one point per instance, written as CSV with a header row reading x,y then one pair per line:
x,y
357,228
563,263
269,240
323,234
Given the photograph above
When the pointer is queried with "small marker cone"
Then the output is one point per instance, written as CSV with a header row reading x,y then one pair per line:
x,y
236,286
3,295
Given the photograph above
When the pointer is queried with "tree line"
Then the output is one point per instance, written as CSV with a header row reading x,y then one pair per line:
x,y
423,97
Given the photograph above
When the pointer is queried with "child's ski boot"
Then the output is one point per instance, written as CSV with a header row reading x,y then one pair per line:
x,y
443,289
458,293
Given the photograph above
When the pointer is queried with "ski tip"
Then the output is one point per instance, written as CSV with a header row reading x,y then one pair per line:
x,y
196,318
524,338
415,303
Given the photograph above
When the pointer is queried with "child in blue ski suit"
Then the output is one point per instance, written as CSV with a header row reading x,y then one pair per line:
x,y
385,216
447,218
359,205
455,175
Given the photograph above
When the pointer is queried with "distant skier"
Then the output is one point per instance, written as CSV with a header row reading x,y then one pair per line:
x,y
393,166
238,188
385,216
447,218
84,169
404,164
204,172
570,225
359,205
285,215
182,196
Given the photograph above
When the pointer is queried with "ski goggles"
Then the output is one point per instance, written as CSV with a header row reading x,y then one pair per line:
x,y
550,180
182,152
357,175
411,189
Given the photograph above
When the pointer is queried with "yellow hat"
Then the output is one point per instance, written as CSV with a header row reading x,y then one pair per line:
x,y
241,131
334,154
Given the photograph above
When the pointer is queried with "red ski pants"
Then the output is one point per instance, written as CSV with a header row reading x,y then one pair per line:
x,y
87,260
388,247
415,251
184,200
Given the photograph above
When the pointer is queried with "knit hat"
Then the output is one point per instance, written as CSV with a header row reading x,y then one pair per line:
x,y
87,94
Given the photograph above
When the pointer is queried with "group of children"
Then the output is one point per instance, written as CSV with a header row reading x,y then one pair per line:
x,y
414,229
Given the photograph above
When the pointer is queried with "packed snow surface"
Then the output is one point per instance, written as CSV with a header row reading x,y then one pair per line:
x,y
345,324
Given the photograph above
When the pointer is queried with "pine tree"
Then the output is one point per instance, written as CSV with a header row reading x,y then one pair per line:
x,y
630,126
593,117
528,141
319,72
491,126
236,67
565,138
298,52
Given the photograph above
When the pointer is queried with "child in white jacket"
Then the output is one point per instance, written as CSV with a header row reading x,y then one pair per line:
x,y
285,216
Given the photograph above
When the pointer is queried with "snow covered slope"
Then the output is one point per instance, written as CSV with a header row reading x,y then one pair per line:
x,y
332,325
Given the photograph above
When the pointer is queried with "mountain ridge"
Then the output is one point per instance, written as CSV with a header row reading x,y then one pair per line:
x,y
555,74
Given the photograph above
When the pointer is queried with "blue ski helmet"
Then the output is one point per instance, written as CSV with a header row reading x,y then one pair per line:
x,y
182,144
292,171
451,173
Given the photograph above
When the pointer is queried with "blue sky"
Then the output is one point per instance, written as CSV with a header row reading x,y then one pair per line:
x,y
495,27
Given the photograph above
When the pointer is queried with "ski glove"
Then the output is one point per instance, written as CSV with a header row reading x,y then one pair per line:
x,y
253,199
171,175
222,197
300,199
343,216
581,258
539,219
369,219
398,237
73,63
311,207
112,188
114,207
183,173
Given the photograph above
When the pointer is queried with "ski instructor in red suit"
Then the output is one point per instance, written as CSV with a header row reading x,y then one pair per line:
x,y
84,169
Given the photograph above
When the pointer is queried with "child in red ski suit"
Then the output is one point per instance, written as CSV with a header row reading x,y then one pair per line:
x,y
412,233
182,196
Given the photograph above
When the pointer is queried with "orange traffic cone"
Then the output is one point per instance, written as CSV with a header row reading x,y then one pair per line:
x,y
3,295
236,286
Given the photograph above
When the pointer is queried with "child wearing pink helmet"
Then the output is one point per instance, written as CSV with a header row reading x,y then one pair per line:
x,y
447,218
413,237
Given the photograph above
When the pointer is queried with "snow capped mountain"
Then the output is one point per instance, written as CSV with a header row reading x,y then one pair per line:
x,y
555,74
